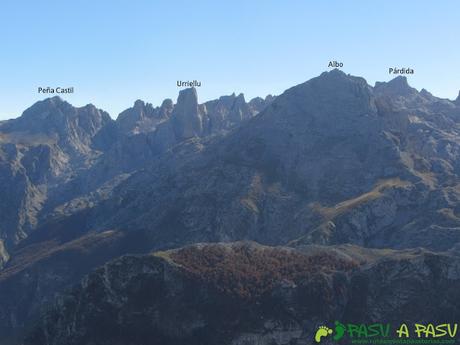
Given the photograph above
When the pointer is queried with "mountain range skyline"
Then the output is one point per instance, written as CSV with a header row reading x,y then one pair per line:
x,y
334,200
129,50
115,116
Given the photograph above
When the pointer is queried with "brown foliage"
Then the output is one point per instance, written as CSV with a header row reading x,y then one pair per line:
x,y
248,272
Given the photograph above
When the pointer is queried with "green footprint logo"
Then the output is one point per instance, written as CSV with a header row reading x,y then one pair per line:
x,y
339,330
322,331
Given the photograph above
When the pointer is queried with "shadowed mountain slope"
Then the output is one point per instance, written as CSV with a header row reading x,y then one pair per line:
x,y
330,161
249,294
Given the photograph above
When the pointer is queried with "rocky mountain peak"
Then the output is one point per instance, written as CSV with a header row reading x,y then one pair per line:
x,y
257,104
240,98
457,101
142,117
400,83
167,104
337,76
42,109
334,72
396,87
54,100
269,98
188,99
187,120
328,98
336,83
139,104
54,116
426,93
54,121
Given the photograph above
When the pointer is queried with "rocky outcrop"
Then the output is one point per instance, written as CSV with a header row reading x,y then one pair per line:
x,y
54,121
39,151
228,111
143,117
187,119
246,293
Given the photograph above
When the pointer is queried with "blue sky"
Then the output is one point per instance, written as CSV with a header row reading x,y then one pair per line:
x,y
114,52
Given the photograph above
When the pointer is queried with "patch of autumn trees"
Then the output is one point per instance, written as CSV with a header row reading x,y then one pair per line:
x,y
249,271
